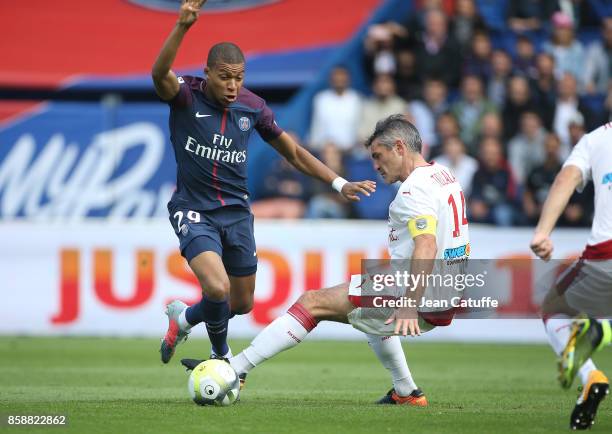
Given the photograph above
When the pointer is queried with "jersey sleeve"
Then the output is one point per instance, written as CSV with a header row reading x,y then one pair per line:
x,y
266,126
184,97
419,211
579,157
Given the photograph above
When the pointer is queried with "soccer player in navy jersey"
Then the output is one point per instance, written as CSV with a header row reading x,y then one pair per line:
x,y
211,120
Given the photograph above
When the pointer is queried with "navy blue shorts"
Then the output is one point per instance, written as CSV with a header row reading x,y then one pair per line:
x,y
228,231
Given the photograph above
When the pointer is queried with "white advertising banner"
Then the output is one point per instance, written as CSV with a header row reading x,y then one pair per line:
x,y
114,278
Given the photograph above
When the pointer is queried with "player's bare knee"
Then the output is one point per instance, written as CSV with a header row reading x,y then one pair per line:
x,y
309,300
217,290
243,307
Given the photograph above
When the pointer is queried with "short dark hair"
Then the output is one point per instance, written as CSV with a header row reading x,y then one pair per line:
x,y
224,52
394,127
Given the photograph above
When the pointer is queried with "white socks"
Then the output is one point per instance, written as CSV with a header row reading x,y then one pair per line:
x,y
389,351
182,321
558,331
281,334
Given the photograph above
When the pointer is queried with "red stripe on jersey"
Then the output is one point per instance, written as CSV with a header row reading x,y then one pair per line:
x,y
215,164
439,319
598,251
216,184
223,121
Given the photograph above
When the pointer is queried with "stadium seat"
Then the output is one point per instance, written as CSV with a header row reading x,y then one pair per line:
x,y
493,12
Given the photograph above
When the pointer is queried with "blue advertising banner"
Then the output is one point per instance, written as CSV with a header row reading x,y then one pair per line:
x,y
75,160
67,161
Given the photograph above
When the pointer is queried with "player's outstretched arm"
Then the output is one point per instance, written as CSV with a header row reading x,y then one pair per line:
x,y
306,163
565,183
166,83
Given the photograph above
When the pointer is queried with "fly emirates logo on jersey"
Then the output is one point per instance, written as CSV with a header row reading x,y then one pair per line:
x,y
215,153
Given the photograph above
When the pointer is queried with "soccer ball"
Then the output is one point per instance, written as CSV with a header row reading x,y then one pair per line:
x,y
214,382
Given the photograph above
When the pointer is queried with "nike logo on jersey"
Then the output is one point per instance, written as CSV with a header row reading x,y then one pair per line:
x,y
198,115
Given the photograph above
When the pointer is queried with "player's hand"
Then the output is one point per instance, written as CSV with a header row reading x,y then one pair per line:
x,y
406,321
542,246
189,11
352,189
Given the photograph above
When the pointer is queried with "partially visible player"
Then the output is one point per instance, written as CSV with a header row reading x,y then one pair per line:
x,y
586,287
211,122
426,218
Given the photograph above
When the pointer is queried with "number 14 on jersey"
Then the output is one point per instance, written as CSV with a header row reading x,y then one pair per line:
x,y
453,204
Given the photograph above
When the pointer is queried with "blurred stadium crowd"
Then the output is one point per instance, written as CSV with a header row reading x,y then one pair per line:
x,y
499,101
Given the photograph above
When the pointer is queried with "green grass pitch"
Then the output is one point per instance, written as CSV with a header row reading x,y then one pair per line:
x,y
120,386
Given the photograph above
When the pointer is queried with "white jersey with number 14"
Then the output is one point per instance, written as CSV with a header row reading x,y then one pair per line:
x,y
429,201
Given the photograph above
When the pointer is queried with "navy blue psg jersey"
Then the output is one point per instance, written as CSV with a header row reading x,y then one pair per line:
x,y
210,145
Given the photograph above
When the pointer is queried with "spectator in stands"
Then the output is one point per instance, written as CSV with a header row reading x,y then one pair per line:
x,y
461,165
427,111
579,11
379,48
525,59
284,194
416,22
466,22
567,105
470,109
437,54
382,104
446,128
579,210
607,116
598,66
501,69
576,128
541,177
565,48
494,193
491,126
325,202
478,60
335,114
518,102
528,15
526,149
407,81
544,87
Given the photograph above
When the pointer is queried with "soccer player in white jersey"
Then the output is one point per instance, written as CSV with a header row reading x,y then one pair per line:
x,y
586,287
426,221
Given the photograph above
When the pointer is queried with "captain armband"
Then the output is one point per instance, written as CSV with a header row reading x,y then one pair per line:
x,y
423,224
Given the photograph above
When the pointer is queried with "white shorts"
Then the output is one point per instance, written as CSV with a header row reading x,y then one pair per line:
x,y
372,320
587,286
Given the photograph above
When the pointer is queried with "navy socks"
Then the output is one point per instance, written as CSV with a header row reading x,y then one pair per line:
x,y
216,315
